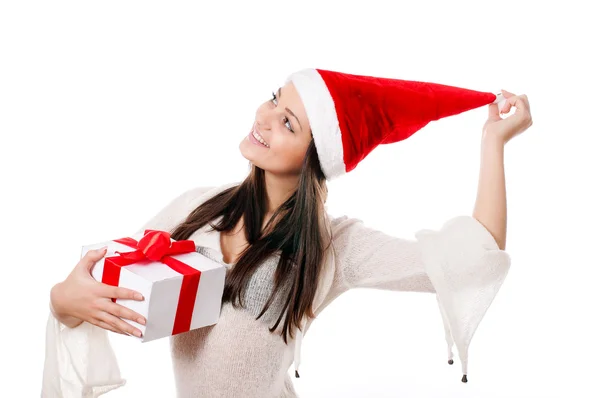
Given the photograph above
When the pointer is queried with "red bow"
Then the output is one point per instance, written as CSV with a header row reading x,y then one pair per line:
x,y
157,246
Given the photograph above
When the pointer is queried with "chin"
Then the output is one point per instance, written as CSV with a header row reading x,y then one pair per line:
x,y
246,149
242,151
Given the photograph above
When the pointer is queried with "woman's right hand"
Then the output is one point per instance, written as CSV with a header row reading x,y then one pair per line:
x,y
81,297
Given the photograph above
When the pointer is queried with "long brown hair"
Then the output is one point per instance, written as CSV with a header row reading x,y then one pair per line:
x,y
298,229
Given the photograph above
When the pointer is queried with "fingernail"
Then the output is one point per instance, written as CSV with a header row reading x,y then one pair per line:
x,y
139,296
141,321
138,333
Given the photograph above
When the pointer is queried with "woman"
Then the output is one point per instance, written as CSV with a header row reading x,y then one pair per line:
x,y
286,258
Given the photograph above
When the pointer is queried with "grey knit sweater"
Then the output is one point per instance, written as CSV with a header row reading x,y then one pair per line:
x,y
238,357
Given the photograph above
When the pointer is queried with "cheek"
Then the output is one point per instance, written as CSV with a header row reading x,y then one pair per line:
x,y
286,154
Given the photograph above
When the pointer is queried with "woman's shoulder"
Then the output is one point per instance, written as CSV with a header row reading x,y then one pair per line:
x,y
202,192
334,221
342,224
181,205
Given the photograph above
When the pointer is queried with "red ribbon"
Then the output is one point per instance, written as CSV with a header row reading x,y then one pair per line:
x,y
157,246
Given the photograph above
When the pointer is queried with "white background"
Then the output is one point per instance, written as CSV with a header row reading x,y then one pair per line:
x,y
110,109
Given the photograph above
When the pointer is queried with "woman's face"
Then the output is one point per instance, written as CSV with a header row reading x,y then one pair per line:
x,y
282,126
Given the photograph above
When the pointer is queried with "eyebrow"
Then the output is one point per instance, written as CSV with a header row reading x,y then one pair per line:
x,y
288,109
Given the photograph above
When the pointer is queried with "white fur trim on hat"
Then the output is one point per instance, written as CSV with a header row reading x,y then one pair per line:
x,y
323,120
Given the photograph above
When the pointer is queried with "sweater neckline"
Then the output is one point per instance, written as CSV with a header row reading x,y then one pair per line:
x,y
211,239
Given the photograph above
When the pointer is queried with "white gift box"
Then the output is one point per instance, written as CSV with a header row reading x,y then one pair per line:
x,y
161,287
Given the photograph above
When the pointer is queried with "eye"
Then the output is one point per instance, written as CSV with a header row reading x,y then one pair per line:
x,y
286,120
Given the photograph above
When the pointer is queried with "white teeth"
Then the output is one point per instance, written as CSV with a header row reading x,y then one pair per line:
x,y
259,138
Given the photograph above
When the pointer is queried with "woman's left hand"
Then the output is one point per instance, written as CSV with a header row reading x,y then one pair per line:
x,y
506,129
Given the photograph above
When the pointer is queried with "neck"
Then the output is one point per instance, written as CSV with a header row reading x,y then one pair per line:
x,y
279,189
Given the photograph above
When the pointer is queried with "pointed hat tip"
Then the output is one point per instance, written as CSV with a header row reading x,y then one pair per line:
x,y
499,97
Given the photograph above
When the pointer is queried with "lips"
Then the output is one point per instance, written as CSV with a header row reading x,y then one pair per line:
x,y
259,138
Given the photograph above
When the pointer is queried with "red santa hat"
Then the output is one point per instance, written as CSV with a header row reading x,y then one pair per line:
x,y
350,115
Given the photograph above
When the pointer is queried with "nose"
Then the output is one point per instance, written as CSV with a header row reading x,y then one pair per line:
x,y
266,119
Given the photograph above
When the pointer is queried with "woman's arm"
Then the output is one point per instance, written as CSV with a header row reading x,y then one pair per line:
x,y
368,258
460,262
79,358
66,320
490,205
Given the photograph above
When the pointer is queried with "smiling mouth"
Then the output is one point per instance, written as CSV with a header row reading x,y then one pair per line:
x,y
259,138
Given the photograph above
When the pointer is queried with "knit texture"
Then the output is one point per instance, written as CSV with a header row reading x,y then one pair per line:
x,y
239,357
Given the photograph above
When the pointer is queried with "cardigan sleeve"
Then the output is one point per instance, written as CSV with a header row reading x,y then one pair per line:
x,y
461,263
80,362
176,211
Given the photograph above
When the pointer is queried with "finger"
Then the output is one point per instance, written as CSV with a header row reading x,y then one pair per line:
x,y
112,329
507,94
106,326
119,324
516,101
510,102
120,293
506,105
123,312
92,257
493,112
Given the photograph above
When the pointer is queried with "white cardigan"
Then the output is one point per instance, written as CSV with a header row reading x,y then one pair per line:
x,y
461,263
